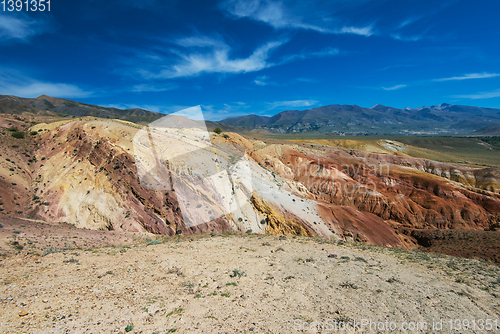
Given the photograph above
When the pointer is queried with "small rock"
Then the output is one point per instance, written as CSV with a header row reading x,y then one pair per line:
x,y
332,256
282,237
23,313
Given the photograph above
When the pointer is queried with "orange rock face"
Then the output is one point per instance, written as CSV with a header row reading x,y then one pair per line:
x,y
396,191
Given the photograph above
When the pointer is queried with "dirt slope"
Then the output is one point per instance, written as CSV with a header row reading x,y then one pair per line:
x,y
233,284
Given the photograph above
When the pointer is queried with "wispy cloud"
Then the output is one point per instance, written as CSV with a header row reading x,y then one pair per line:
x,y
196,55
14,83
483,75
400,37
20,27
140,88
292,104
216,113
306,80
363,31
479,96
409,21
203,54
263,80
396,87
327,52
279,16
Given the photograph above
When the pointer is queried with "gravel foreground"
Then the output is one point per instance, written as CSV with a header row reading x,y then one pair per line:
x,y
251,284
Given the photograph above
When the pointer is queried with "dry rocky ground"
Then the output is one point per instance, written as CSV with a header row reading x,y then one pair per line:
x,y
226,283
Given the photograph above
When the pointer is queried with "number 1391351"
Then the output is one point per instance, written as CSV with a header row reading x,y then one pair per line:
x,y
25,5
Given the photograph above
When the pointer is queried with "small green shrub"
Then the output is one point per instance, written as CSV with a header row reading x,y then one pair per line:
x,y
150,242
348,284
237,272
50,251
72,260
18,134
13,129
188,285
129,328
17,245
218,130
176,311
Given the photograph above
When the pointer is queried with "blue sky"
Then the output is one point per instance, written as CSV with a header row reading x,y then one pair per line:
x,y
237,57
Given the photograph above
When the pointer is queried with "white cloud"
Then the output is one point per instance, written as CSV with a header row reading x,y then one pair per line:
x,y
262,81
327,52
400,37
307,80
20,28
409,21
208,55
396,87
470,76
14,83
292,104
39,88
214,113
479,96
201,42
275,14
363,31
140,88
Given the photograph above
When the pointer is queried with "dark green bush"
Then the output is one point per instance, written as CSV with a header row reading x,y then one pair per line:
x,y
18,134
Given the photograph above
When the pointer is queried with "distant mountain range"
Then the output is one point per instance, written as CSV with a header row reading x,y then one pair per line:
x,y
444,119
53,106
